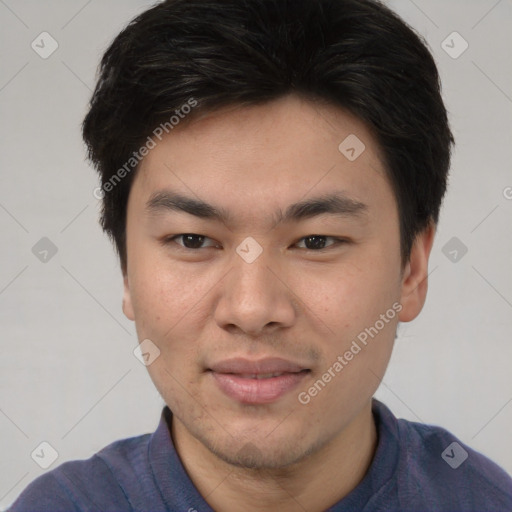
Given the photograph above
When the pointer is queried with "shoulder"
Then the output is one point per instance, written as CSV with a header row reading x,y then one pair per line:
x,y
447,474
96,483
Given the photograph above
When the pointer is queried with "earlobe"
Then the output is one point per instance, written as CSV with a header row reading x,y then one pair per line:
x,y
127,300
414,280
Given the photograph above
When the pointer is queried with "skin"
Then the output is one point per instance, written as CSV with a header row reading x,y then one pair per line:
x,y
208,304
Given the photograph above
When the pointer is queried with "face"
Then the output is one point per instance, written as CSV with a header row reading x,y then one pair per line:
x,y
257,248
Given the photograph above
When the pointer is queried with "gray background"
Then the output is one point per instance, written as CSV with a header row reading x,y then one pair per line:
x,y
68,375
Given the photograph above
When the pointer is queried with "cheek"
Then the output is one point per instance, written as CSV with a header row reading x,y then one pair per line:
x,y
154,299
169,303
351,298
343,293
350,303
159,290
166,308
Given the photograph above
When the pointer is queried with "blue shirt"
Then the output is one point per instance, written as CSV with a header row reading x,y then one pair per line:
x,y
416,467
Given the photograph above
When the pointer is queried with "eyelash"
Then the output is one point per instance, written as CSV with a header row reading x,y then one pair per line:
x,y
337,241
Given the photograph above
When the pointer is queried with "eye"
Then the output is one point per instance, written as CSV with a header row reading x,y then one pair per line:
x,y
318,242
194,241
190,241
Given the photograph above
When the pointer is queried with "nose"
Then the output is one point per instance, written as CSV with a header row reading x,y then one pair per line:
x,y
256,298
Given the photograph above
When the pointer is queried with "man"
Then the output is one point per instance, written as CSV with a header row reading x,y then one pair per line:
x,y
272,174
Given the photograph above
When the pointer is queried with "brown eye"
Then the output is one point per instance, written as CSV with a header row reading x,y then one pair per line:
x,y
190,240
318,242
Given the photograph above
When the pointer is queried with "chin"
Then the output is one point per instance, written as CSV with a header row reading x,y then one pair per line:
x,y
258,451
252,456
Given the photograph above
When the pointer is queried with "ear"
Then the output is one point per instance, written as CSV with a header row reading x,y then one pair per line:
x,y
127,299
414,280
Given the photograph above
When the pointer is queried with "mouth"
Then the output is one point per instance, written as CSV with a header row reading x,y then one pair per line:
x,y
261,375
257,382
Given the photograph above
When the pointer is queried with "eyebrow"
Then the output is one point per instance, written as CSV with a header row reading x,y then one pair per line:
x,y
337,204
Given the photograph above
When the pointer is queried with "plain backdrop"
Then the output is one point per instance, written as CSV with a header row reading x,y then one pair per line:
x,y
68,375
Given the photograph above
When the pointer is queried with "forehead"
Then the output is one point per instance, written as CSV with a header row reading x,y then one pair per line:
x,y
260,159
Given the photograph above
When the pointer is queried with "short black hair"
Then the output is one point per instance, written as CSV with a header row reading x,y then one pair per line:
x,y
354,54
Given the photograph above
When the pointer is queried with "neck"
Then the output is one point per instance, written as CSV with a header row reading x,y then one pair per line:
x,y
314,483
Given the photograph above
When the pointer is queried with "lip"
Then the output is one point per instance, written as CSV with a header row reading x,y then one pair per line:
x,y
265,365
236,378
